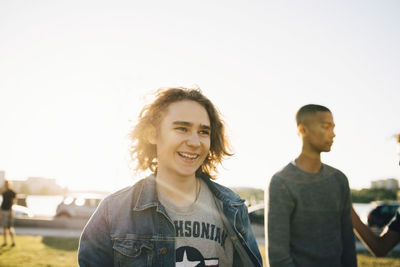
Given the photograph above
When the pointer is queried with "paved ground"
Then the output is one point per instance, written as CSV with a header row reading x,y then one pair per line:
x,y
259,233
359,245
48,232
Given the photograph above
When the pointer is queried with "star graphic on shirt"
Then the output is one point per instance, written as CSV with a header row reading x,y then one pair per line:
x,y
186,263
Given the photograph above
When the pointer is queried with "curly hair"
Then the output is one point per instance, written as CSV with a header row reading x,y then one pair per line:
x,y
145,153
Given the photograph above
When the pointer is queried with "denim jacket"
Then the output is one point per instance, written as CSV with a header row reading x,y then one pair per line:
x,y
132,228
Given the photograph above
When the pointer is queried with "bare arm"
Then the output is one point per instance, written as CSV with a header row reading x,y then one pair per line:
x,y
379,246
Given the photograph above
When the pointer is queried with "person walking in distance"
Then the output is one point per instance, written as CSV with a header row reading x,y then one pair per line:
x,y
9,197
308,222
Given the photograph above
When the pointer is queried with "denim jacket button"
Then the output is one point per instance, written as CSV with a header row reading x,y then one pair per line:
x,y
163,251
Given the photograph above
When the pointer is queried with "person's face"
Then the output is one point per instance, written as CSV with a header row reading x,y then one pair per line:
x,y
318,132
183,139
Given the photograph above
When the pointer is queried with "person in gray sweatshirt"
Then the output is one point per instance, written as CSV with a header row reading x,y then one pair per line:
x,y
307,218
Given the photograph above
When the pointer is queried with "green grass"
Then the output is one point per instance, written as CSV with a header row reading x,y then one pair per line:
x,y
48,251
366,259
40,251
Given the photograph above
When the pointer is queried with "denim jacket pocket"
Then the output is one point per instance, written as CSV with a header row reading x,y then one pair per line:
x,y
128,252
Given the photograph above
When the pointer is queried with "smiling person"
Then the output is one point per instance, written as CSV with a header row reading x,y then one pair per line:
x,y
177,216
308,220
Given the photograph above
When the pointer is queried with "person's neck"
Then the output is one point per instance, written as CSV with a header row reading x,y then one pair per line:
x,y
309,161
181,191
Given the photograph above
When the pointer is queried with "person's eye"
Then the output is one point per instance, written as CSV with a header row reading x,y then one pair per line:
x,y
181,129
205,132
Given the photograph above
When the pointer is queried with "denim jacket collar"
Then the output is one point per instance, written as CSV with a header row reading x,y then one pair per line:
x,y
222,193
148,197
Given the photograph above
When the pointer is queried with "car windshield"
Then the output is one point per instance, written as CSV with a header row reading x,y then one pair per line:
x,y
68,200
79,201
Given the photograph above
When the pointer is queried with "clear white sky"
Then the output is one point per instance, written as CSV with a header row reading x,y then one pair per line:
x,y
74,75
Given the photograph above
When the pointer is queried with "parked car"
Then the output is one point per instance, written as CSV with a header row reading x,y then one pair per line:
x,y
21,212
256,214
78,206
382,214
256,217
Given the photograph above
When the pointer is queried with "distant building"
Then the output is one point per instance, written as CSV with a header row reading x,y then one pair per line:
x,y
2,178
42,186
37,186
17,185
33,186
389,184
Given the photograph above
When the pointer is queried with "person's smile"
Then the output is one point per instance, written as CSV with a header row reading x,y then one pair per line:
x,y
188,156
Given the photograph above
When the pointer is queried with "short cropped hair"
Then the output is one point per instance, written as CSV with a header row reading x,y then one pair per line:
x,y
145,153
307,110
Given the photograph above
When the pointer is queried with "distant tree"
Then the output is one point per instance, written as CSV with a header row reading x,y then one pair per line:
x,y
369,195
250,194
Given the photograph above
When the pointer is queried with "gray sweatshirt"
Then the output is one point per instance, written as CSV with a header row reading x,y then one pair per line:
x,y
308,220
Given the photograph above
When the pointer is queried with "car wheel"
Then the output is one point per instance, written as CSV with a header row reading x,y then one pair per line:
x,y
63,214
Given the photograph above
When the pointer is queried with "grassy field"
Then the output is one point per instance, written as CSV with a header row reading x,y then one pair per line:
x,y
366,260
45,251
40,251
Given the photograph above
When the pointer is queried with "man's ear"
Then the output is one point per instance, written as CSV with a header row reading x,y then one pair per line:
x,y
302,130
151,134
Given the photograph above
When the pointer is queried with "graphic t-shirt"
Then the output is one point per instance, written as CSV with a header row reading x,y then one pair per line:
x,y
200,236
